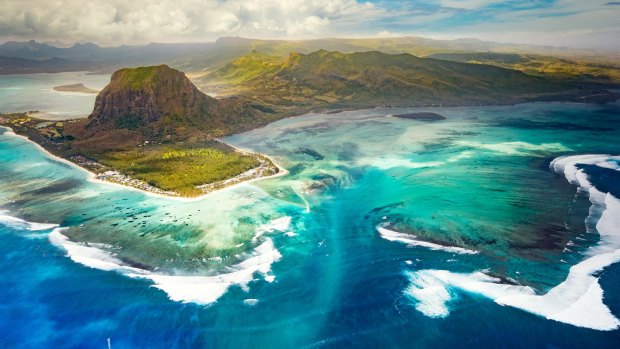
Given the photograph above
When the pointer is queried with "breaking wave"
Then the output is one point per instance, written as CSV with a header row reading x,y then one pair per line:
x,y
578,300
184,288
411,240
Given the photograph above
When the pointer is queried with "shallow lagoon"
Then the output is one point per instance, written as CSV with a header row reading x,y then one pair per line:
x,y
34,92
324,276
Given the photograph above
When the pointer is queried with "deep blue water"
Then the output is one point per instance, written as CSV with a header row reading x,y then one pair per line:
x,y
479,180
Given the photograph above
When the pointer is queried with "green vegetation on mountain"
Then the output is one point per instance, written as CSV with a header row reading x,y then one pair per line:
x,y
161,104
544,66
324,79
198,59
585,65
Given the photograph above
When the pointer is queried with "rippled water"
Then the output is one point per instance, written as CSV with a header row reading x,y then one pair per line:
x,y
385,233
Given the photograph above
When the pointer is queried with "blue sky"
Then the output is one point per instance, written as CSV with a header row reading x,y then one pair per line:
x,y
579,23
587,23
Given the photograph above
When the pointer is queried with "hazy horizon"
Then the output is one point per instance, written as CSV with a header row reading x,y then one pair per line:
x,y
62,44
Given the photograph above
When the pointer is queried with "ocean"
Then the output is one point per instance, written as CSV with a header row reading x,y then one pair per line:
x,y
497,227
35,92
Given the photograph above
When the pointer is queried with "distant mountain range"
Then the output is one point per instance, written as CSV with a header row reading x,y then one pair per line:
x,y
92,52
202,57
227,48
88,56
16,65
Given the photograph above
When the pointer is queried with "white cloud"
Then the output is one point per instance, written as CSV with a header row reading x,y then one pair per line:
x,y
177,20
467,4
573,23
114,22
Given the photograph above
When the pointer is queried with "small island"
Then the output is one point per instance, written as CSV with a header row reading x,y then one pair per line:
x,y
80,88
423,116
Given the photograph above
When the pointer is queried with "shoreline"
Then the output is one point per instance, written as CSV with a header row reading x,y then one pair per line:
x,y
92,177
281,170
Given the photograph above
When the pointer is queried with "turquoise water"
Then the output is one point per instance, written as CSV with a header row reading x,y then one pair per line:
x,y
385,233
34,92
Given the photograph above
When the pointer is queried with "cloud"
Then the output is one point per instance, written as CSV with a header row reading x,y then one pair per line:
x,y
115,22
187,20
467,4
585,24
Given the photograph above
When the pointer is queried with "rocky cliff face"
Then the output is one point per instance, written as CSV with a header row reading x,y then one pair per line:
x,y
149,96
157,104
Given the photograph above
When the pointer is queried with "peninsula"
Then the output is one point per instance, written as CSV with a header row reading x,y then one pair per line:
x,y
152,129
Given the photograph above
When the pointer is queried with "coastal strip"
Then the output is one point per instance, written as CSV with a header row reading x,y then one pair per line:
x,y
281,170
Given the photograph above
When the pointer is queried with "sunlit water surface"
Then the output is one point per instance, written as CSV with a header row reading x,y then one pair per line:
x,y
35,92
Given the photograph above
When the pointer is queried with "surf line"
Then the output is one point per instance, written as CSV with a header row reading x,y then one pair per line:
x,y
578,300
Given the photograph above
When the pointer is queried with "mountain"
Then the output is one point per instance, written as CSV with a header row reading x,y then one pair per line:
x,y
151,94
334,79
30,50
15,65
227,48
98,58
158,103
90,51
199,58
542,65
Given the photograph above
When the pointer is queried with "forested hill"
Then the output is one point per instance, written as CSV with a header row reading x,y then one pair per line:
x,y
158,103
334,79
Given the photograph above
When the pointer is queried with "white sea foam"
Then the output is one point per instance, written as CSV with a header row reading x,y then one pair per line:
x,y
577,301
208,289
567,165
412,241
21,224
515,148
612,165
433,289
389,163
88,255
280,224
182,288
250,302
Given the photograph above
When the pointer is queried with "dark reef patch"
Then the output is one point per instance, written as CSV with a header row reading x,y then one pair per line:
x,y
310,152
56,187
422,116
